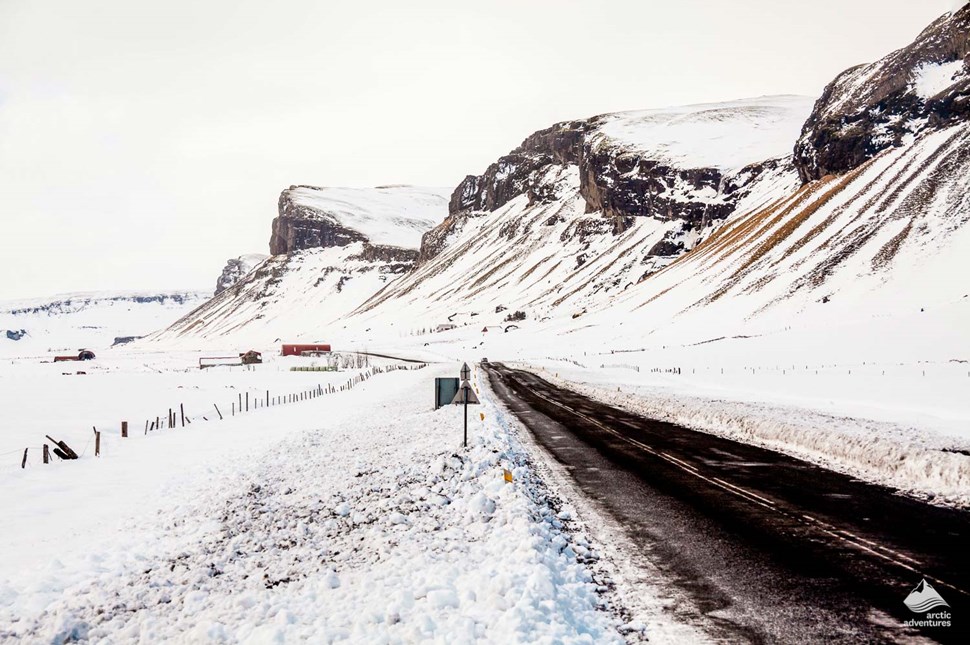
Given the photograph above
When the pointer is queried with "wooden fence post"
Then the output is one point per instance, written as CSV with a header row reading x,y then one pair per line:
x,y
124,429
47,454
247,401
23,463
217,411
97,443
182,411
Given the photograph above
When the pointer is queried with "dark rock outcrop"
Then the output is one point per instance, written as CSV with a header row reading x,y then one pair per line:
x,y
236,269
619,182
514,174
301,227
16,334
394,259
870,108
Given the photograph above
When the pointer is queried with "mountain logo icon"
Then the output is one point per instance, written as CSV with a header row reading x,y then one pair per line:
x,y
924,598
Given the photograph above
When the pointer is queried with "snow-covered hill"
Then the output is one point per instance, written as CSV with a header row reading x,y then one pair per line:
x,y
92,320
334,248
692,222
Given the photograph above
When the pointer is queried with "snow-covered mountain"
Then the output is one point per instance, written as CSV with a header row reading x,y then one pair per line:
x,y
737,215
586,209
332,249
92,320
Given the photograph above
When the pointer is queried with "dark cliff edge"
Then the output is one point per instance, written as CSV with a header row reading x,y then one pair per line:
x,y
870,108
614,180
298,227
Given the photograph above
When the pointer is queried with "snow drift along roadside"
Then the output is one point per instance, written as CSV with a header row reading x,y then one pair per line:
x,y
877,452
376,527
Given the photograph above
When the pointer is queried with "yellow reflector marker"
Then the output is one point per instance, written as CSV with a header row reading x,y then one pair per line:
x,y
508,474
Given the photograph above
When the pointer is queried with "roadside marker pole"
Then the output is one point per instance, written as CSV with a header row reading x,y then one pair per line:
x,y
465,373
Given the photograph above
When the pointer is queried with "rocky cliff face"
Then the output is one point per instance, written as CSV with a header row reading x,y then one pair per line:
x,y
628,169
332,248
236,269
922,87
299,226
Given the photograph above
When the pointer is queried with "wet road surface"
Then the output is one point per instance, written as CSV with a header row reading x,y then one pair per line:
x,y
767,547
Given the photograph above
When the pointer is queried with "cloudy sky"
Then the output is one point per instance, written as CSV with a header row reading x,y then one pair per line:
x,y
143,144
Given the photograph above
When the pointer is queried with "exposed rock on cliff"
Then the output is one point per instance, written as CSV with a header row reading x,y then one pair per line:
x,y
691,164
311,217
922,87
333,248
236,269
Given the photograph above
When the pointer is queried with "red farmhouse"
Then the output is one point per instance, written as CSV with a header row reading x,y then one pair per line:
x,y
298,350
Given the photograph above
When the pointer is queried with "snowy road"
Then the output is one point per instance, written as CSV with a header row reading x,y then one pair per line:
x,y
768,547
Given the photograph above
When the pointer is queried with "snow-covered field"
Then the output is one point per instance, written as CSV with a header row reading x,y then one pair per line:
x,y
67,322
352,515
881,399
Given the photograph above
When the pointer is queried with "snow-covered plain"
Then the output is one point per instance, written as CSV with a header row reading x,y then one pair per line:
x,y
353,515
92,320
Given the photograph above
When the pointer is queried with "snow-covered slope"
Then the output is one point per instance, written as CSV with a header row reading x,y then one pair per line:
x,y
889,239
579,212
586,209
544,259
92,320
291,297
727,136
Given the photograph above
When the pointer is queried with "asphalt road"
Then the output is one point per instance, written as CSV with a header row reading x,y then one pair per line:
x,y
769,548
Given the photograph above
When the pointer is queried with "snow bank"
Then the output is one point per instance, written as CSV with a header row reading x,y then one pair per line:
x,y
371,525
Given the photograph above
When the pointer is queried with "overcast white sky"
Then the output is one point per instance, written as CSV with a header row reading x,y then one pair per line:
x,y
143,144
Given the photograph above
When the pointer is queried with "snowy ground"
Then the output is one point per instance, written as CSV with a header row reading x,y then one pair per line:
x,y
884,400
64,323
354,515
